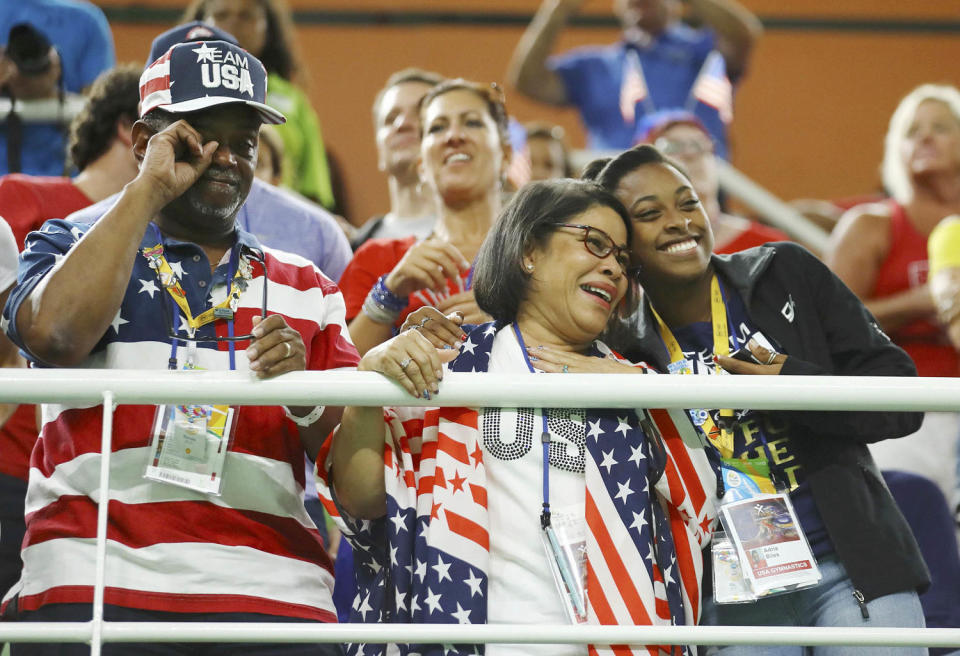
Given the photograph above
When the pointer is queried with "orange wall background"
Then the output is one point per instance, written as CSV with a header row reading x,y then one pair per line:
x,y
810,116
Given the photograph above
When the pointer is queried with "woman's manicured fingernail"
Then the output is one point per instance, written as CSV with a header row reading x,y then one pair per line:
x,y
463,337
426,395
533,358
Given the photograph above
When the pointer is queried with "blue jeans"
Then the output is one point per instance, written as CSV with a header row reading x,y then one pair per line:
x,y
829,603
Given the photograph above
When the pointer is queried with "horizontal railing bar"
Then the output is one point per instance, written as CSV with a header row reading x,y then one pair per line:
x,y
470,634
46,631
82,386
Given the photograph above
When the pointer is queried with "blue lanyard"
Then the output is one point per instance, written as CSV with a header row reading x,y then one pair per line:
x,y
544,438
231,270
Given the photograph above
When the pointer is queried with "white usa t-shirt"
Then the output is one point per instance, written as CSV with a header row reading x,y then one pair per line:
x,y
521,589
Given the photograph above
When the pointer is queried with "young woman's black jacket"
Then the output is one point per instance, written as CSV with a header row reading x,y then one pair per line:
x,y
797,302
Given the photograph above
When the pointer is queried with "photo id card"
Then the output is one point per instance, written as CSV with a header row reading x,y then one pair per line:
x,y
190,444
773,551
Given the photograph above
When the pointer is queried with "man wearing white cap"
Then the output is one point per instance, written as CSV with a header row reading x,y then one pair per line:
x,y
206,517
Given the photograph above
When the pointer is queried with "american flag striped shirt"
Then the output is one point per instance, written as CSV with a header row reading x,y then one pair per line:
x,y
252,549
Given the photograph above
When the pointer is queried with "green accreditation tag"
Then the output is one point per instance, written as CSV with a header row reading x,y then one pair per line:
x,y
744,478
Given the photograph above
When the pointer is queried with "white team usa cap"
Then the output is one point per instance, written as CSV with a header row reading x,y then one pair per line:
x,y
194,76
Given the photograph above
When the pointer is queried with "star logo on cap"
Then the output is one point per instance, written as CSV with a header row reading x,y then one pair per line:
x,y
246,85
205,53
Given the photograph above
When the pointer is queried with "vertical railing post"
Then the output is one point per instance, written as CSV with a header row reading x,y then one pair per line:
x,y
106,448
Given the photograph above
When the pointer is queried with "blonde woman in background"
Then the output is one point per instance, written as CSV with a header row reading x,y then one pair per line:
x,y
880,251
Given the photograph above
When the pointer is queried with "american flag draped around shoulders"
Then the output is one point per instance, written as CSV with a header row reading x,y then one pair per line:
x,y
426,561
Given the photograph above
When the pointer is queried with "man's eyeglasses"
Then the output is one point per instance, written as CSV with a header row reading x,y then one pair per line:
x,y
600,244
681,147
168,320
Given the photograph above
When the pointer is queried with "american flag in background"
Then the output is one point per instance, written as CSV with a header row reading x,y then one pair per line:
x,y
713,88
633,88
519,169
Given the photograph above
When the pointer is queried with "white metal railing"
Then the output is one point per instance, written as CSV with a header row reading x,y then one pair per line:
x,y
45,110
489,390
771,208
360,388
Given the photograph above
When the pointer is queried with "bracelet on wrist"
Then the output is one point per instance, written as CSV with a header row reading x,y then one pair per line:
x,y
308,419
377,313
383,296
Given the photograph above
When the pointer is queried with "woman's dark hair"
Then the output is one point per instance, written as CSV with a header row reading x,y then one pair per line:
x,y
491,94
616,168
500,282
279,54
270,140
112,97
592,170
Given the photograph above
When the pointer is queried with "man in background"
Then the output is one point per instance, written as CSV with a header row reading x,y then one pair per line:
x,y
52,51
396,125
660,63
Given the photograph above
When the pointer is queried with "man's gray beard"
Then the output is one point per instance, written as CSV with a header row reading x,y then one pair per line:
x,y
217,213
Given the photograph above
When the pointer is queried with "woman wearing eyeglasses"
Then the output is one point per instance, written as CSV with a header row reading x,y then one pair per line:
x,y
524,514
783,311
464,151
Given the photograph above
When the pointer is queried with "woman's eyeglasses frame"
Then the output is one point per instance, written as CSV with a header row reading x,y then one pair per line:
x,y
621,253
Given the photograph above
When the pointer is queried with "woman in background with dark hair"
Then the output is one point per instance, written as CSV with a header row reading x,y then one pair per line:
x,y
264,29
463,501
789,315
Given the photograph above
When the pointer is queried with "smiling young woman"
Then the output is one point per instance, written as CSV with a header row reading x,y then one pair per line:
x,y
786,314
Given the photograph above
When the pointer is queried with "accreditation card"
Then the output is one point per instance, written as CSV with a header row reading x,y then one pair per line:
x,y
565,543
773,551
190,444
